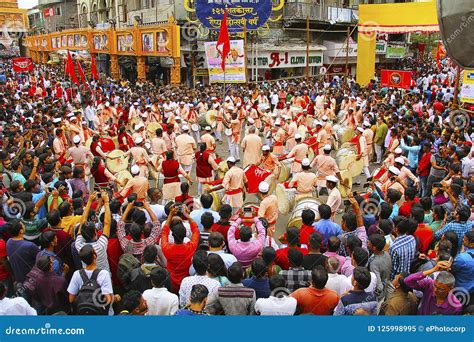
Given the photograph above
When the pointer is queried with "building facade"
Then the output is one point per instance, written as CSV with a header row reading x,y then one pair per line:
x,y
14,24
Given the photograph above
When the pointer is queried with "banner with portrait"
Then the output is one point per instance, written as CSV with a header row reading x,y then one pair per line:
x,y
234,65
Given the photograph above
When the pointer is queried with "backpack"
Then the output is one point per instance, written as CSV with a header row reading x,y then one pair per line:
x,y
89,299
127,263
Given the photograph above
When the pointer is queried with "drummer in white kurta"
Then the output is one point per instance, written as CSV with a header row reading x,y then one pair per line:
x,y
268,208
334,198
304,181
208,139
369,137
364,151
185,147
251,145
292,130
299,152
234,184
140,156
325,165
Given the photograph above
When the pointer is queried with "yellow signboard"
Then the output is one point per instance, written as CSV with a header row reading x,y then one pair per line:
x,y
467,89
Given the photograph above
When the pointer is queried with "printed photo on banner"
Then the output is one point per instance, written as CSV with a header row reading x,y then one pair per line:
x,y
235,63
161,39
125,43
77,40
70,41
64,41
147,42
83,41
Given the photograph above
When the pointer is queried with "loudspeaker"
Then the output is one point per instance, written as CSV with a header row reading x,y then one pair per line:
x,y
456,23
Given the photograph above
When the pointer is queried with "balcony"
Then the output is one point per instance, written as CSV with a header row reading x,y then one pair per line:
x,y
294,12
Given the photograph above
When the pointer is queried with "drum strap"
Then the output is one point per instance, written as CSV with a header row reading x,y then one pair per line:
x,y
233,192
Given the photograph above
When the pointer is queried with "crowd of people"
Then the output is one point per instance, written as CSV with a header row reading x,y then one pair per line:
x,y
100,215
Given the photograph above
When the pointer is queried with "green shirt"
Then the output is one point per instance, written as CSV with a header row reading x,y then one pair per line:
x,y
380,134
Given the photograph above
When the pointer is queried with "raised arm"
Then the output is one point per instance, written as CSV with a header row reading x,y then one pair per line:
x,y
85,214
107,214
356,208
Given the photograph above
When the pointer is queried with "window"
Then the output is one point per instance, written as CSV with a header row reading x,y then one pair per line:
x,y
58,10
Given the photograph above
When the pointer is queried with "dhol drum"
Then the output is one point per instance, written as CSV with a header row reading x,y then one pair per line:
x,y
123,177
116,161
255,175
344,133
217,197
210,117
195,127
223,168
286,199
152,171
133,122
151,129
285,170
202,120
296,109
302,204
228,132
302,130
346,159
346,176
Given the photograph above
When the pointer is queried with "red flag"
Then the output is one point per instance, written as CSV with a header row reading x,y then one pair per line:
x,y
22,64
70,68
95,74
81,73
396,78
223,40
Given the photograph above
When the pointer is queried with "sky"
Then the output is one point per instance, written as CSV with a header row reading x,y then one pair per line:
x,y
27,3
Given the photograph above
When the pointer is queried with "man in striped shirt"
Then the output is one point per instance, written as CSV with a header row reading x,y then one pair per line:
x,y
233,299
402,251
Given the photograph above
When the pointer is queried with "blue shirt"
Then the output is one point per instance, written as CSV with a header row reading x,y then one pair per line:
x,y
196,216
460,228
327,228
463,270
413,152
402,251
394,213
261,286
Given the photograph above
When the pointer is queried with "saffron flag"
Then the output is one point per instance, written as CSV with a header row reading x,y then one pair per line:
x,y
396,79
95,74
440,54
81,73
223,40
70,68
255,175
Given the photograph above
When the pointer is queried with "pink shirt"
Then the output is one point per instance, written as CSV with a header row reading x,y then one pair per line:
x,y
246,252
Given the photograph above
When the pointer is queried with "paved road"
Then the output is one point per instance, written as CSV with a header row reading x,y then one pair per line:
x,y
222,150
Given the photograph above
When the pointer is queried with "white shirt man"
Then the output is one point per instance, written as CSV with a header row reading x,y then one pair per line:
x,y
161,302
16,307
276,306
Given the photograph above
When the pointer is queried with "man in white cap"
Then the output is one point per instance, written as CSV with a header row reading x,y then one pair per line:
x,y
268,208
253,114
134,112
137,184
234,141
169,136
278,137
392,182
193,123
234,184
325,166
334,199
304,181
390,160
219,115
362,151
139,131
185,147
79,153
405,172
369,138
208,139
322,137
269,161
140,156
292,131
262,98
299,152
251,145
